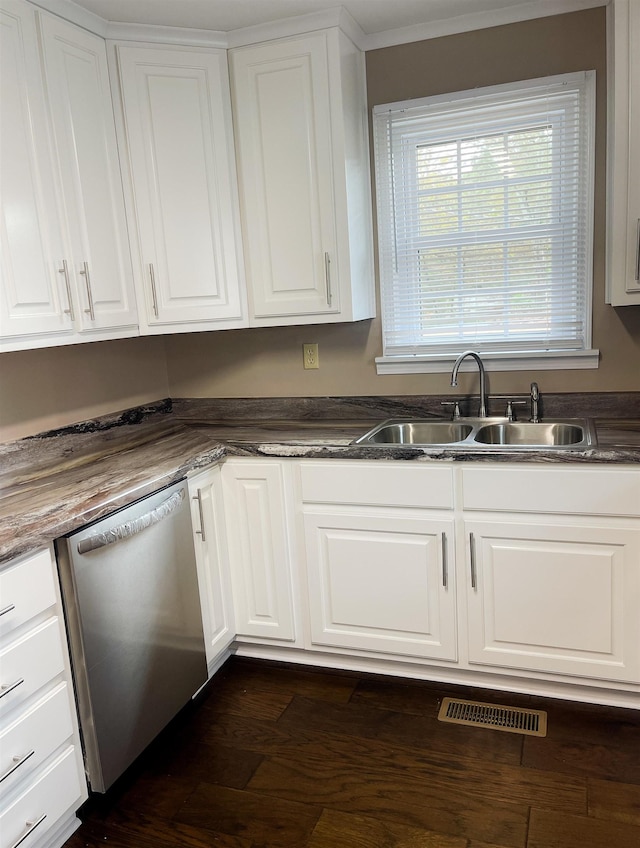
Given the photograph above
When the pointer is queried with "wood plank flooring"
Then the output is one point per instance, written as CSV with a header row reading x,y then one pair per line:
x,y
274,756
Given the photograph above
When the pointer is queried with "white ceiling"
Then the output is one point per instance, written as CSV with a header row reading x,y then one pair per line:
x,y
373,16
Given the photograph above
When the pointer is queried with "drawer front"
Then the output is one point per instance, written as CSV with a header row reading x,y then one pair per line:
x,y
58,789
377,484
34,736
29,663
26,589
596,491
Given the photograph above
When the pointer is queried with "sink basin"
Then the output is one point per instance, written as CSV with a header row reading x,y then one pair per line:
x,y
544,434
482,433
417,433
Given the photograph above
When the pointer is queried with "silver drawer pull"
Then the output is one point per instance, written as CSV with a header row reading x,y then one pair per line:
x,y
445,564
9,608
9,687
85,273
472,553
154,293
327,277
31,826
198,498
17,762
65,270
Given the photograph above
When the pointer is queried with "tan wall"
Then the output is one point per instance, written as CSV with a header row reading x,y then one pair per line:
x,y
268,362
49,388
45,389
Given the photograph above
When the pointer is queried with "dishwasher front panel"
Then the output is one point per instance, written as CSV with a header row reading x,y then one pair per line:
x,y
131,600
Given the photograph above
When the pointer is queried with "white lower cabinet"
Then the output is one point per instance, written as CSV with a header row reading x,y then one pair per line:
x,y
259,515
555,597
207,515
381,582
553,569
496,572
41,765
379,543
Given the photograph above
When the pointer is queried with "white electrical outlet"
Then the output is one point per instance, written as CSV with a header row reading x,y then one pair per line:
x,y
310,356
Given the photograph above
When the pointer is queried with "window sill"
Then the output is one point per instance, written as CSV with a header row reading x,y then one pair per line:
x,y
556,360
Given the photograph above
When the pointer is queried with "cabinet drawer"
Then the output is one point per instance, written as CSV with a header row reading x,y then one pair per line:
x,y
377,484
26,589
35,735
57,790
29,663
596,491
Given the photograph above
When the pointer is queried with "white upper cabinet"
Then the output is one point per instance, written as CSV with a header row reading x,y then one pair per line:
x,y
623,213
179,147
77,81
66,268
302,150
33,300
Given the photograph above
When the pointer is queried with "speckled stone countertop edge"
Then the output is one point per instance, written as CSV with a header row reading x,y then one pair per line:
x,y
54,484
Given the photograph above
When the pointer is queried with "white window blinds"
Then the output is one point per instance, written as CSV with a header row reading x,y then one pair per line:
x,y
485,218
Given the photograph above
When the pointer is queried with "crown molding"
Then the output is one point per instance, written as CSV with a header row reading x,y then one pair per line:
x,y
334,17
70,11
477,20
153,34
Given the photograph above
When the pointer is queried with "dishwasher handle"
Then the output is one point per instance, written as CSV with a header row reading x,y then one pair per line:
x,y
132,528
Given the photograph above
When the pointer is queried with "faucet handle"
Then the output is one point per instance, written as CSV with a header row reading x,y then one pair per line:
x,y
456,408
510,414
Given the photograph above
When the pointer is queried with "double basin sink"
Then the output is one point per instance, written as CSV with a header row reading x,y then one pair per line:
x,y
479,433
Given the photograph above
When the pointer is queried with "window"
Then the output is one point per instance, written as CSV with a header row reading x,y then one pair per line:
x,y
485,219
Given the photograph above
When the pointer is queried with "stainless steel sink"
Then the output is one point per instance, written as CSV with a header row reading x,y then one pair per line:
x,y
417,433
482,434
543,434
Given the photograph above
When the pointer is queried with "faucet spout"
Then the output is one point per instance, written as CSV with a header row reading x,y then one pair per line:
x,y
535,400
483,381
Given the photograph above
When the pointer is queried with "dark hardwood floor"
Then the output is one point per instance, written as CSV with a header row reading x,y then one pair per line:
x,y
284,757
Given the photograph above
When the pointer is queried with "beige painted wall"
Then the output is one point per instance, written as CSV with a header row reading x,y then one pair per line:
x,y
49,388
268,362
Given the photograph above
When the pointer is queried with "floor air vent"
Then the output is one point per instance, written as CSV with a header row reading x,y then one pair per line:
x,y
494,716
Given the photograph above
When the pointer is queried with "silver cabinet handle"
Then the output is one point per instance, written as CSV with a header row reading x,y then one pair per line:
x,y
31,825
200,532
472,553
8,608
65,270
638,252
87,279
445,563
154,294
17,762
327,277
9,687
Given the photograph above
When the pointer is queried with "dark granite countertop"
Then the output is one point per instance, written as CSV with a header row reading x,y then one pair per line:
x,y
56,482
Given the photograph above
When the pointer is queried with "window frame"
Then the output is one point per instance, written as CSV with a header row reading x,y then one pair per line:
x,y
446,110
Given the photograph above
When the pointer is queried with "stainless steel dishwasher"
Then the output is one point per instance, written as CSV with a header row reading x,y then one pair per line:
x,y
130,592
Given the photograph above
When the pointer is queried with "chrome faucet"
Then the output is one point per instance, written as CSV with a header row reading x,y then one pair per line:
x,y
535,397
482,413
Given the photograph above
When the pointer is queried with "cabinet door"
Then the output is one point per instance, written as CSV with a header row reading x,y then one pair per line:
x,y
79,95
33,299
179,144
382,583
283,120
207,516
259,549
558,598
